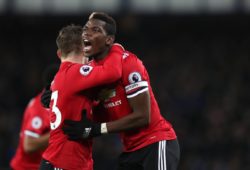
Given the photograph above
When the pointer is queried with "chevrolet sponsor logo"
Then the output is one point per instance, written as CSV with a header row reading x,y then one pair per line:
x,y
113,104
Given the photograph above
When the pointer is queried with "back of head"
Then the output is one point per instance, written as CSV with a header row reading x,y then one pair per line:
x,y
110,26
69,40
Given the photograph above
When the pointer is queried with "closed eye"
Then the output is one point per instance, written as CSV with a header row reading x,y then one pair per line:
x,y
96,29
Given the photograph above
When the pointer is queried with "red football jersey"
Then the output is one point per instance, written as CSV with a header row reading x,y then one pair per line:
x,y
35,123
70,95
135,80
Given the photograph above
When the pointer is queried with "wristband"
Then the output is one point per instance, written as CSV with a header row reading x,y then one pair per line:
x,y
104,129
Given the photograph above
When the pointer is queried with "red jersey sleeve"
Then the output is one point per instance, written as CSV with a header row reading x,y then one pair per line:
x,y
37,120
87,76
135,77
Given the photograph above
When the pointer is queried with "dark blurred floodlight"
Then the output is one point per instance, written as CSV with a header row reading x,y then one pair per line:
x,y
79,7
54,7
62,7
3,5
222,6
148,5
27,6
186,6
106,5
246,5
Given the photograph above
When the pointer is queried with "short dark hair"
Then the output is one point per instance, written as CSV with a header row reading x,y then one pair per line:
x,y
70,39
110,26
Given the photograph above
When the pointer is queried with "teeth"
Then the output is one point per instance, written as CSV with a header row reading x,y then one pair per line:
x,y
86,49
86,42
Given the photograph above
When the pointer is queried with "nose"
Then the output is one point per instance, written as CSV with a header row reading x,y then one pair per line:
x,y
84,33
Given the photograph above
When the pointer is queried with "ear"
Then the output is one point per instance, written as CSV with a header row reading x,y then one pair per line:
x,y
59,53
110,40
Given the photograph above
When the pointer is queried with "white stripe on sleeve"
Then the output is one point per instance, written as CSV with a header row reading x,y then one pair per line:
x,y
30,133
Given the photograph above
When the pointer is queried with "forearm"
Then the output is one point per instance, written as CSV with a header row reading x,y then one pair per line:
x,y
33,144
129,122
109,72
85,128
140,117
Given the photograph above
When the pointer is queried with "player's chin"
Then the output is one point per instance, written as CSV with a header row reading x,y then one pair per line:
x,y
88,54
92,54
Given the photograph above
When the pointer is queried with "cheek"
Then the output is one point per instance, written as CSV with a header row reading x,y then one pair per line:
x,y
101,42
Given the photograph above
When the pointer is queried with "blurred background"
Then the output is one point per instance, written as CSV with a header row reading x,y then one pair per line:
x,y
196,52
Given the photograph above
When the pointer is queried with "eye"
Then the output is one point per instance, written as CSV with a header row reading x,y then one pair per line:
x,y
96,29
84,29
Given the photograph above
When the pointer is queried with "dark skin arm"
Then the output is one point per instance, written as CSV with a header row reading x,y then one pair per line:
x,y
31,144
140,117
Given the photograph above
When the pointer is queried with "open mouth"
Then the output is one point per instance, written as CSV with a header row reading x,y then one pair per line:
x,y
87,46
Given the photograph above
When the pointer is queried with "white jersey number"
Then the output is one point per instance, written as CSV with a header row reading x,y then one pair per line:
x,y
55,109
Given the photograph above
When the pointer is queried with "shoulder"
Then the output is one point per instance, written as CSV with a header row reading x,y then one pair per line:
x,y
68,66
31,102
116,50
74,69
130,58
35,105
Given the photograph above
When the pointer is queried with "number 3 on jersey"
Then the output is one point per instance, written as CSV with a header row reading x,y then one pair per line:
x,y
56,111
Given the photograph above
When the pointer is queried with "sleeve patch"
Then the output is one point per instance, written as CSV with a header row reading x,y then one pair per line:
x,y
85,70
134,77
133,90
137,92
36,122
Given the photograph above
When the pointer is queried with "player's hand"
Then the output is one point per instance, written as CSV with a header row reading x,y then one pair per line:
x,y
46,95
82,129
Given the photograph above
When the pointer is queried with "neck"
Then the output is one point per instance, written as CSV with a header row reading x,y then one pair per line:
x,y
101,55
73,57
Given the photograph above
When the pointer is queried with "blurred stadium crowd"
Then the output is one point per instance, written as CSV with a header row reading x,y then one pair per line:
x,y
200,73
